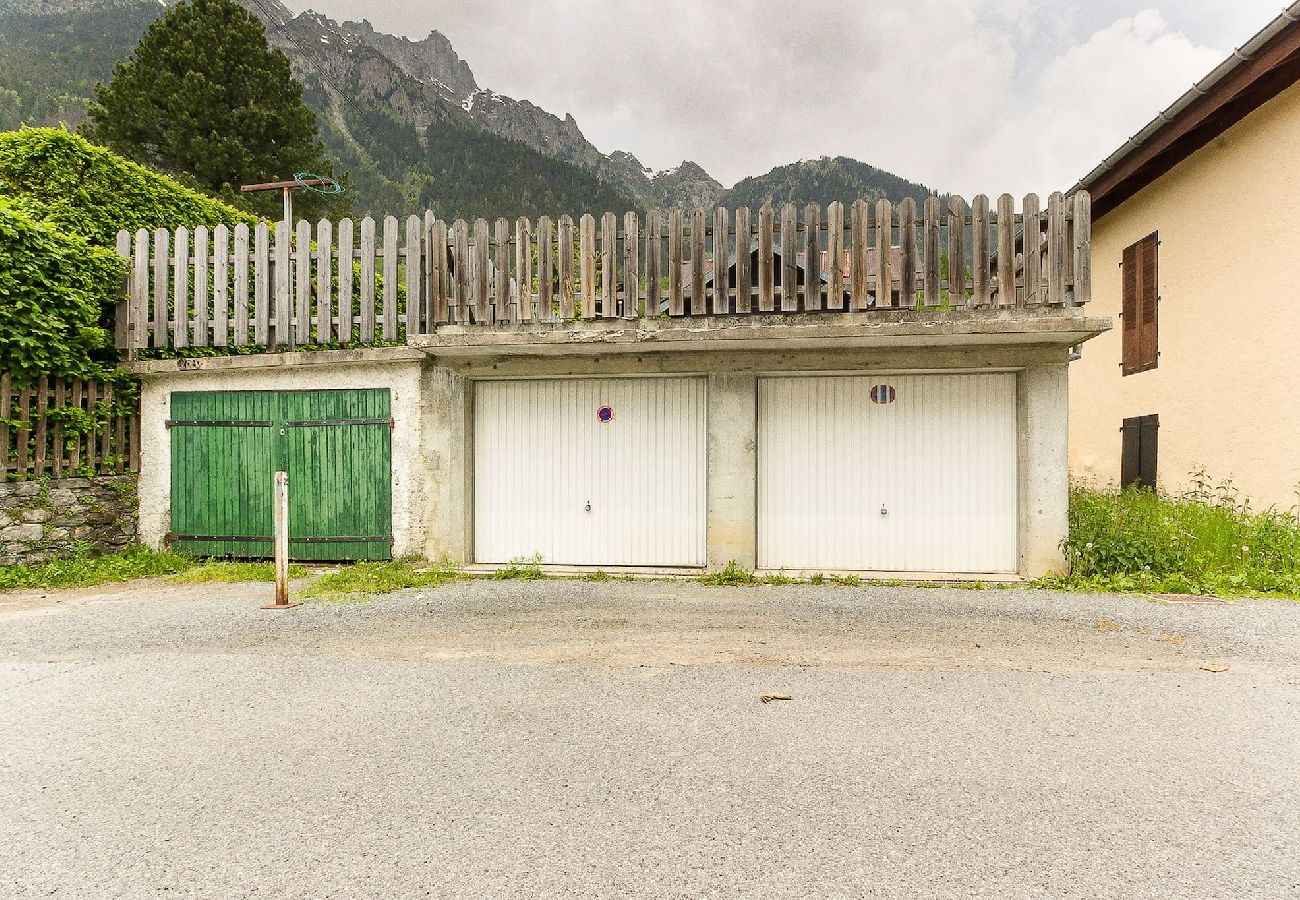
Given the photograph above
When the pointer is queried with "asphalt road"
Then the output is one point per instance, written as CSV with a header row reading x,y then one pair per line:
x,y
575,739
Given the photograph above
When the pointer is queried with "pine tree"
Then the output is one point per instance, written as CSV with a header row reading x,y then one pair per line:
x,y
204,96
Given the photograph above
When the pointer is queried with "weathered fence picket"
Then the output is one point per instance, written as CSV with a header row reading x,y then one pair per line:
x,y
66,428
311,285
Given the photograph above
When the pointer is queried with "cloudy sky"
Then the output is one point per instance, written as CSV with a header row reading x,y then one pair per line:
x,y
962,95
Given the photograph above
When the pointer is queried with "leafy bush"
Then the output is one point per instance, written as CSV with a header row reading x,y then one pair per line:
x,y
1205,541
88,191
53,288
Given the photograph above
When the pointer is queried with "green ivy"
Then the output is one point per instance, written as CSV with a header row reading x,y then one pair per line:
x,y
53,287
90,192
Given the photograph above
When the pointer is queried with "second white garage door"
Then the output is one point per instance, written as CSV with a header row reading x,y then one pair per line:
x,y
590,471
897,473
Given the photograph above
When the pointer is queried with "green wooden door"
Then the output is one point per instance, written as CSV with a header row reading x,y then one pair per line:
x,y
335,445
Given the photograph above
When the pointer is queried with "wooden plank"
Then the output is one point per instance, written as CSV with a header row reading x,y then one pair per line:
x,y
1056,249
568,284
427,319
367,310
181,289
505,309
789,257
460,276
74,452
133,429
835,255
24,431
202,268
980,260
721,262
766,260
42,423
411,312
92,402
813,278
261,285
524,268
138,323
221,286
1082,249
122,309
438,271
105,432
1007,295
957,251
302,293
676,290
859,223
631,265
346,255
1032,256
57,442
884,254
699,239
545,270
324,258
744,272
282,316
653,269
6,402
480,268
608,265
239,286
587,265
932,260
161,287
391,260
907,253
119,443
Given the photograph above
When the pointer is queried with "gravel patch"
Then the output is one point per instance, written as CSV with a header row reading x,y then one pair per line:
x,y
564,738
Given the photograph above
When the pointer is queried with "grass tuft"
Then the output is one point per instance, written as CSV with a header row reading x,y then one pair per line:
x,y
522,568
228,570
83,569
732,575
364,580
1205,541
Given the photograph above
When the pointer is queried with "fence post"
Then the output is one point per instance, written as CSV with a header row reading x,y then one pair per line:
x,y
280,526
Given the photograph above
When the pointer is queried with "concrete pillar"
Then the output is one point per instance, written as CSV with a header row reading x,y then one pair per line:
x,y
446,427
732,467
155,483
1043,401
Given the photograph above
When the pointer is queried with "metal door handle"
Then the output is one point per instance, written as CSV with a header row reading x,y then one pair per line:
x,y
588,506
883,511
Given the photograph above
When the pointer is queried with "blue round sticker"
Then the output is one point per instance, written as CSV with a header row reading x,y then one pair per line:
x,y
605,413
883,393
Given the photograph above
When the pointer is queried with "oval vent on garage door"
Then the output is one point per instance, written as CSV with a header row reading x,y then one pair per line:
x,y
883,393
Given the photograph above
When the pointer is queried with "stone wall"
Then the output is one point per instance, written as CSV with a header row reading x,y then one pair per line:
x,y
53,517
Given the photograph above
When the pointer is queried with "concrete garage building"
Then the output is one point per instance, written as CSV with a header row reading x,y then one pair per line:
x,y
898,438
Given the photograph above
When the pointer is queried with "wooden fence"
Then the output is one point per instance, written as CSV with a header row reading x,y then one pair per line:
x,y
67,428
331,285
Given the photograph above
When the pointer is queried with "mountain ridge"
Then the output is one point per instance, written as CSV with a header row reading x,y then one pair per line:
x,y
409,122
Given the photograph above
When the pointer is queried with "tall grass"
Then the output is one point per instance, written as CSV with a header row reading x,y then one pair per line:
x,y
1205,541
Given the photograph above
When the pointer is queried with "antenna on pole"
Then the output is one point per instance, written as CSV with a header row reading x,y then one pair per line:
x,y
314,183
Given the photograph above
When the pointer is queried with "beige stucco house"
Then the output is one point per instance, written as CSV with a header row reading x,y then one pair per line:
x,y
1195,244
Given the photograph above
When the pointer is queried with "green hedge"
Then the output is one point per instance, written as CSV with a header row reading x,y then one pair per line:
x,y
53,287
89,191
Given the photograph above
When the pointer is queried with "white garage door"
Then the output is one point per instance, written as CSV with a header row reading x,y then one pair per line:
x,y
896,473
590,471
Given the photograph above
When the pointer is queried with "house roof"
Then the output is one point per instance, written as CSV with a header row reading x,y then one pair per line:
x,y
1256,72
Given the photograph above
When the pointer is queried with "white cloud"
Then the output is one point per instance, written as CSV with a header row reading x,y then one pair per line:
x,y
1086,102
964,95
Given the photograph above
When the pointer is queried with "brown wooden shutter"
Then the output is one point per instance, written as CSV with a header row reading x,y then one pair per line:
x,y
1149,352
1141,350
1129,312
